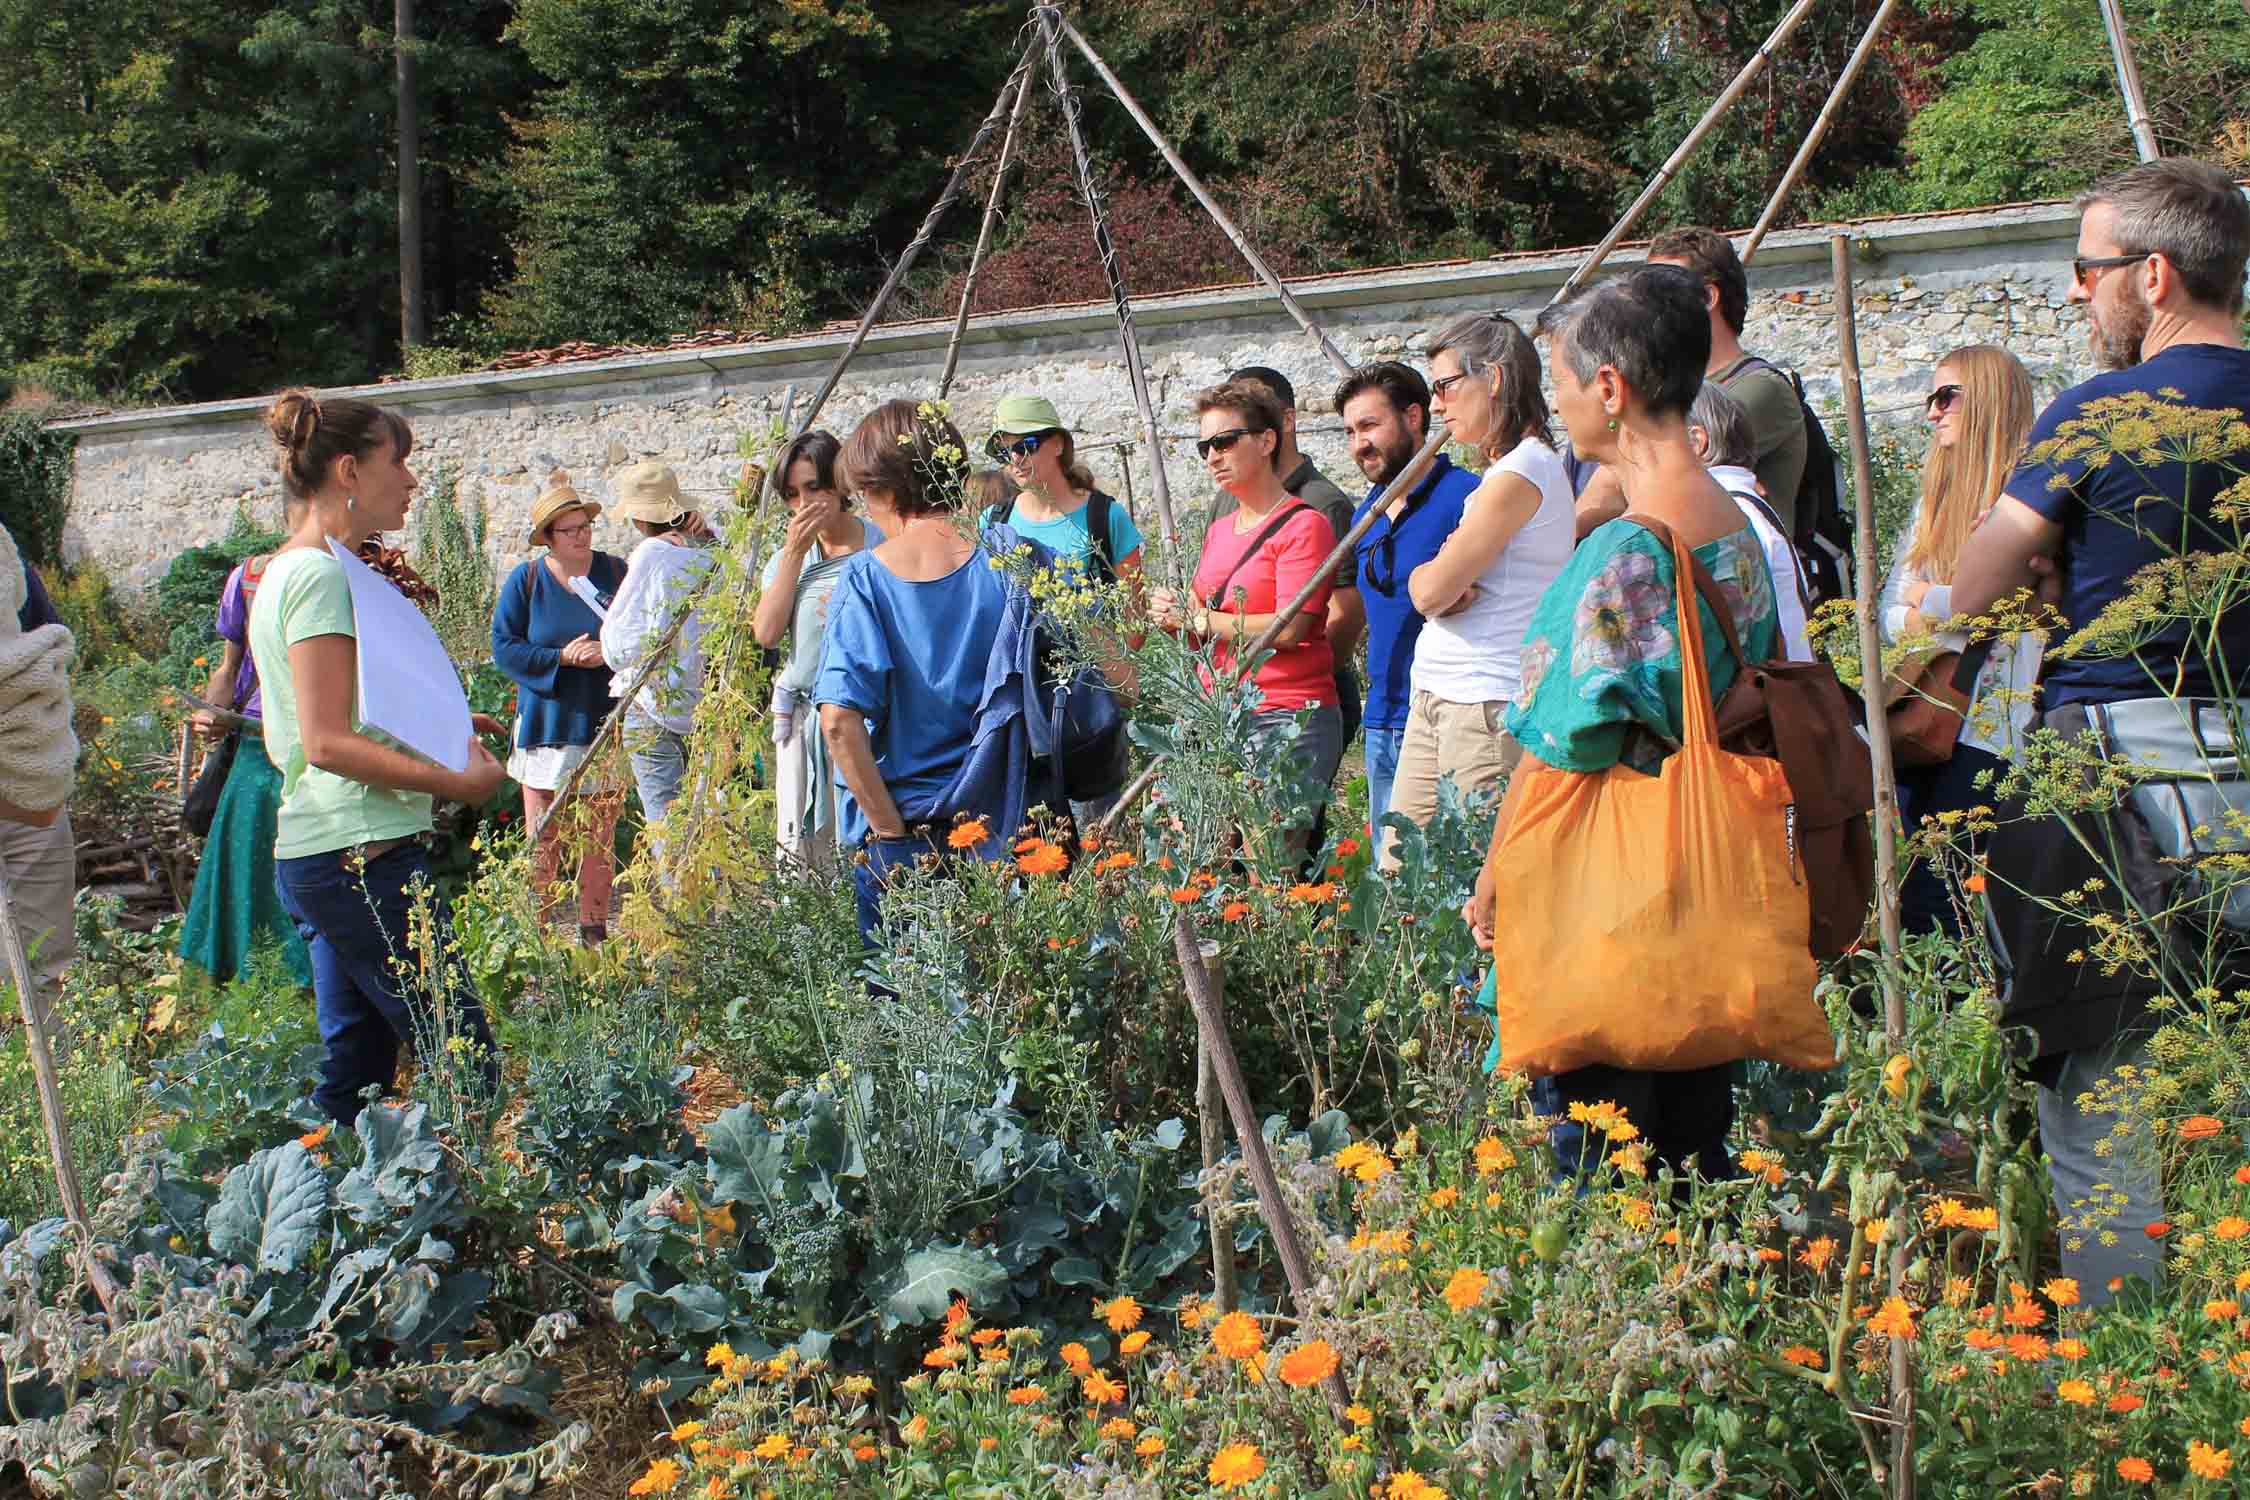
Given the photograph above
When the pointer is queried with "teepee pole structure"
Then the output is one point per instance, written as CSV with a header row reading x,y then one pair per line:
x,y
2129,81
1687,148
1819,131
1194,185
1023,87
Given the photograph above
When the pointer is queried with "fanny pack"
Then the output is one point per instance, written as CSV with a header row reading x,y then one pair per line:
x,y
2193,793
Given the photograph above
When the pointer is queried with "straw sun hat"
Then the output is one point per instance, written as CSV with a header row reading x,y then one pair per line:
x,y
556,498
650,492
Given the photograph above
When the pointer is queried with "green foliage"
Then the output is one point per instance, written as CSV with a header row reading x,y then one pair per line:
x,y
35,472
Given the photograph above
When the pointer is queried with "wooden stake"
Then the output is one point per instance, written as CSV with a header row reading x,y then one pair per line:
x,y
1210,1018
1211,1123
1210,204
1686,148
1819,132
1050,25
2129,80
49,1084
984,230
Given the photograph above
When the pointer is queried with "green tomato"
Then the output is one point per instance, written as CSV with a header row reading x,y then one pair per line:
x,y
1548,1237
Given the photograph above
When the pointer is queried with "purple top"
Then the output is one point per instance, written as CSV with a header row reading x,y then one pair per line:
x,y
234,626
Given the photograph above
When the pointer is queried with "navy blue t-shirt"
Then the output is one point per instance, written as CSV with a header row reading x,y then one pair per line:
x,y
1388,556
2120,516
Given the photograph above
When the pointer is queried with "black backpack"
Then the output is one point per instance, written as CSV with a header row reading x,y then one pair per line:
x,y
1097,526
1824,523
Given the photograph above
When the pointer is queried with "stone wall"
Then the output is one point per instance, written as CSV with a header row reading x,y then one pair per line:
x,y
150,483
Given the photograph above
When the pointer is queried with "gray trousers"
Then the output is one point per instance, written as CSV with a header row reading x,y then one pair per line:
x,y
42,889
2105,1196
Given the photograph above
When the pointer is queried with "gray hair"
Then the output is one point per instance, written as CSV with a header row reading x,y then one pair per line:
x,y
2189,212
1492,341
1651,325
1727,438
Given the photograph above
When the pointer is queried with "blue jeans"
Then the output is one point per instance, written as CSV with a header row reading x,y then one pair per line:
x,y
354,922
1924,903
659,759
1382,747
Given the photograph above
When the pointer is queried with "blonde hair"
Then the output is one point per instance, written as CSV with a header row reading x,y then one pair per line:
x,y
1994,413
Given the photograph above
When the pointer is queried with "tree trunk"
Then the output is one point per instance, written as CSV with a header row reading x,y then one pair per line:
x,y
413,324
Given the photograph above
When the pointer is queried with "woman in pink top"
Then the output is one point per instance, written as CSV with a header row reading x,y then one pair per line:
x,y
1254,561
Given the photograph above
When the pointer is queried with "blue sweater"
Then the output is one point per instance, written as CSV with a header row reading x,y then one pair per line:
x,y
535,619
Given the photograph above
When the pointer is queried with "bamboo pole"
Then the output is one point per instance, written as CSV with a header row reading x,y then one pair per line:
x,y
1901,1476
1210,204
1819,131
1210,1018
1686,148
1408,479
984,230
49,1085
1050,25
2129,80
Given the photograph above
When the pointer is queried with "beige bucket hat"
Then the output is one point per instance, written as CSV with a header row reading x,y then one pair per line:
x,y
650,492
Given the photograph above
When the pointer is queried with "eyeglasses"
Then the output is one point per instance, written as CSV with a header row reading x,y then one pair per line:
x,y
1440,387
2085,263
580,529
1220,442
1941,401
1022,447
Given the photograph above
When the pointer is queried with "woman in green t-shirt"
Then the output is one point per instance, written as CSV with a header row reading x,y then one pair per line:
x,y
349,858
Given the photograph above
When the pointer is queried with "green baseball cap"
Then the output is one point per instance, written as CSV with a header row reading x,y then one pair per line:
x,y
1020,414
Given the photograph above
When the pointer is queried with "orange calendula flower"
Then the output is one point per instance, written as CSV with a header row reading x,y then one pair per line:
x,y
1183,895
1974,885
1238,1336
2135,1470
2232,1227
956,1314
1150,1446
1466,1289
2025,1313
1764,1164
1027,1395
1817,1253
1114,862
968,834
1100,1389
1042,858
2076,1392
1312,895
2125,1403
985,1336
2222,1308
1309,1364
1134,1343
2060,1290
1234,911
2157,1230
2207,1462
1492,1155
2070,1349
1895,1320
661,1476
1408,1485
1122,1314
865,1451
1193,1311
1236,1466
944,1357
1117,1429
2242,1175
1075,1358
2200,1127
2028,1347
1801,1354
313,1140
1445,1197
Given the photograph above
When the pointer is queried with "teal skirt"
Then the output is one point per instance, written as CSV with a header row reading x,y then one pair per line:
x,y
235,907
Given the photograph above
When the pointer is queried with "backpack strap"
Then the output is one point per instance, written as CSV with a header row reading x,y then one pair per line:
x,y
1797,563
1097,527
1279,519
1705,584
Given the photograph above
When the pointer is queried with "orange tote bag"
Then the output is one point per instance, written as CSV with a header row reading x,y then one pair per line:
x,y
1657,922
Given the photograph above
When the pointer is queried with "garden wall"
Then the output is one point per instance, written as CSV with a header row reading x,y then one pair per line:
x,y
149,483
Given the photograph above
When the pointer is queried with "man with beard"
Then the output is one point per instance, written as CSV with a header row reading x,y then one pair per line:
x,y
2161,255
1386,412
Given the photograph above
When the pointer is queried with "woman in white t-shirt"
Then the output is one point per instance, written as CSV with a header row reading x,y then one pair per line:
x,y
1477,594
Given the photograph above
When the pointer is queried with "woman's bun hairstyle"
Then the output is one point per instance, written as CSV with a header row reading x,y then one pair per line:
x,y
312,434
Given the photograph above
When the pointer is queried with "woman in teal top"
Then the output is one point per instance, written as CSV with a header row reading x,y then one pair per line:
x,y
1601,666
354,806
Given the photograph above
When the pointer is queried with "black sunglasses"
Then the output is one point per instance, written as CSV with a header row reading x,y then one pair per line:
x,y
1022,447
1941,401
2084,263
1221,441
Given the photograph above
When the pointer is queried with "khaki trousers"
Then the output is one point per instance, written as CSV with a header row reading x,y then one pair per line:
x,y
42,886
1462,740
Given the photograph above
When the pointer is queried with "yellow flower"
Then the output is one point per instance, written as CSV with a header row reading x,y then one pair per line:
x,y
2061,1290
1895,1320
1466,1289
1120,1313
1236,1466
1898,1075
661,1476
2207,1462
2076,1392
685,1431
776,1445
1357,1415
1764,1164
1150,1446
1637,1212
1309,1364
1800,1354
1491,1156
1238,1336
1366,1162
719,1355
1445,1197
1193,1312
855,1385
1408,1485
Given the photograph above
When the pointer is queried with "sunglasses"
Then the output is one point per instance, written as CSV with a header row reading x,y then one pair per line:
x,y
1220,442
2084,263
1022,447
1942,400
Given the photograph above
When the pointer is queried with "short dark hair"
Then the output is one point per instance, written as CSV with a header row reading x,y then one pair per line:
x,y
312,434
1710,255
919,459
819,448
1249,398
1272,379
1401,384
2192,214
1649,325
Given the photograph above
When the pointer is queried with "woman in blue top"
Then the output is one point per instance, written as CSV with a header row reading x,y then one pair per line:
x,y
1600,671
547,637
911,629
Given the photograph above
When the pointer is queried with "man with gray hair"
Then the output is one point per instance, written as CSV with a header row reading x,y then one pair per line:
x,y
2161,254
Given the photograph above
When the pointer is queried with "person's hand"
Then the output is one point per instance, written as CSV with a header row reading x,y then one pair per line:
x,y
1469,596
207,725
898,831
1914,593
1164,608
486,724
583,652
476,785
784,725
2047,580
804,530
1477,910
694,525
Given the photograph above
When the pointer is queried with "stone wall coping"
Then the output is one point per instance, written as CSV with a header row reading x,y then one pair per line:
x,y
1501,277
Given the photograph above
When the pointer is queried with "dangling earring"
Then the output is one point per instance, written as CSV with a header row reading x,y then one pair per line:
x,y
351,502
1613,424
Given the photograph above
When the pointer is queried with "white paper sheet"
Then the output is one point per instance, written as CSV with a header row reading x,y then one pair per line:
x,y
408,687
584,588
